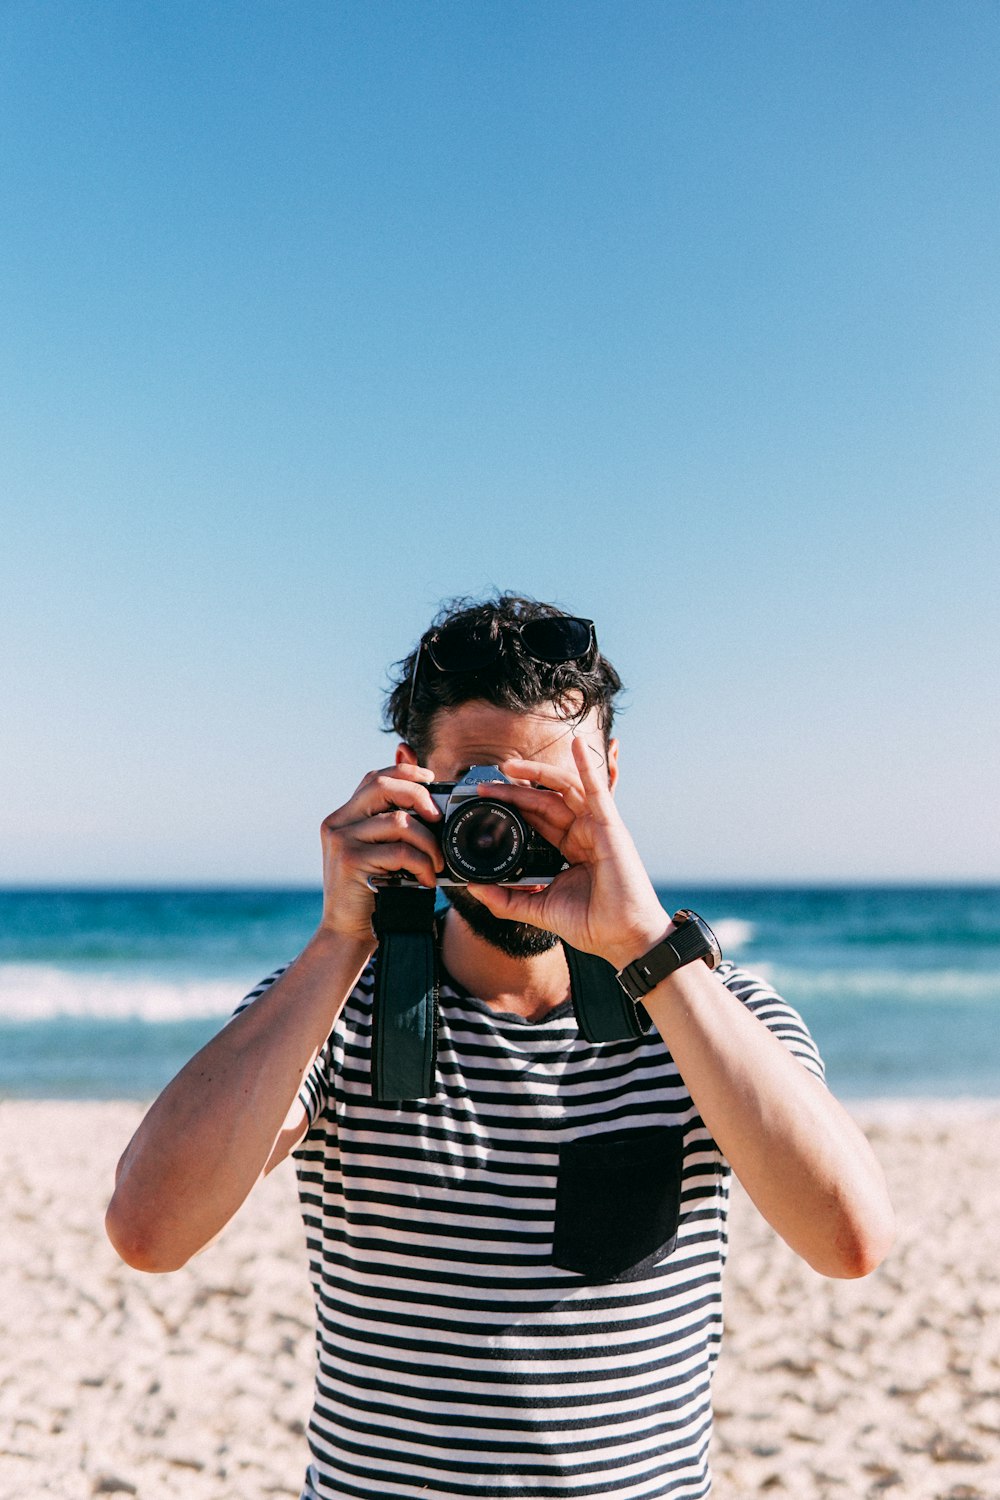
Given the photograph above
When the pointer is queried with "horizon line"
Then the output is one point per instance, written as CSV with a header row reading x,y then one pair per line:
x,y
761,883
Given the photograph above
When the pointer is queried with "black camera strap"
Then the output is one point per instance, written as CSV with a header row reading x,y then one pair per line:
x,y
604,1012
405,1003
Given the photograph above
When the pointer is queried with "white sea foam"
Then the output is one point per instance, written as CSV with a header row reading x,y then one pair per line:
x,y
934,986
733,933
40,992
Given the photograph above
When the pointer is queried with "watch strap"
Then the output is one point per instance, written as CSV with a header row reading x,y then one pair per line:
x,y
691,939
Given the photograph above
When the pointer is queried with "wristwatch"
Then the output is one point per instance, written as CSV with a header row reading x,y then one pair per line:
x,y
692,938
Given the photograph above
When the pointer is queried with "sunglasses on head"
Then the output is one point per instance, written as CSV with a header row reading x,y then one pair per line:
x,y
467,647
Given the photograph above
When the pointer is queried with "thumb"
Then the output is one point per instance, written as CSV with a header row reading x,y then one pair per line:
x,y
505,901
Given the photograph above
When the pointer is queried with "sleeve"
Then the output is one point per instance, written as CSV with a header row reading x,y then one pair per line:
x,y
313,1088
777,1015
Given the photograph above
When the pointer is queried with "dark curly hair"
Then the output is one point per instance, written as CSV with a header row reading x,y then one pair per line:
x,y
513,681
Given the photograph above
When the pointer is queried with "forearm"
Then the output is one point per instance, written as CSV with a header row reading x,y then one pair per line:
x,y
800,1156
210,1134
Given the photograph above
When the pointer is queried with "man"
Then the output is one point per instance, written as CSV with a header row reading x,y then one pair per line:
x,y
517,1278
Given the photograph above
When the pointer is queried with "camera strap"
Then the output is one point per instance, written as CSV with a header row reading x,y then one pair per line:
x,y
405,1002
603,1010
407,983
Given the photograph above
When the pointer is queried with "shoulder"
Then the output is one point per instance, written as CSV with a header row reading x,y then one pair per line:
x,y
758,994
755,990
744,983
260,988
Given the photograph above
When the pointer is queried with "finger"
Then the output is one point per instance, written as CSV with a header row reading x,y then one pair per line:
x,y
555,827
399,827
508,902
594,784
545,810
390,789
382,791
373,857
555,778
404,771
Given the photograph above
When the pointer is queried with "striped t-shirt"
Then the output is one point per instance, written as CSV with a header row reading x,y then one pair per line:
x,y
517,1282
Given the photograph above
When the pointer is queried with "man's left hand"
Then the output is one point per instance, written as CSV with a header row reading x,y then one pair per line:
x,y
605,902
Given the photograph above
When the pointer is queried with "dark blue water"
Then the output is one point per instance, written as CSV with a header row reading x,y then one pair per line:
x,y
105,994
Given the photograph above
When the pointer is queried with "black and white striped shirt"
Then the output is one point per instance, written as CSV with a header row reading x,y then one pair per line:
x,y
501,1313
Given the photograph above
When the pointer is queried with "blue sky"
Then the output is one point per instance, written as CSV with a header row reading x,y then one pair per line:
x,y
684,315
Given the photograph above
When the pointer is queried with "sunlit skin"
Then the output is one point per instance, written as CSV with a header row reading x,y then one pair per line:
x,y
543,750
232,1112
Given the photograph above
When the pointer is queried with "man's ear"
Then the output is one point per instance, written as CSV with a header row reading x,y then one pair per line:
x,y
612,765
405,756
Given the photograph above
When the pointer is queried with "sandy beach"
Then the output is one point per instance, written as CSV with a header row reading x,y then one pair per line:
x,y
197,1385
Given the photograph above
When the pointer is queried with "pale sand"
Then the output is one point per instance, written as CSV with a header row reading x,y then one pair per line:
x,y
197,1385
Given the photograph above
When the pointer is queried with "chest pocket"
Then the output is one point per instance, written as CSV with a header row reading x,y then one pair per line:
x,y
618,1199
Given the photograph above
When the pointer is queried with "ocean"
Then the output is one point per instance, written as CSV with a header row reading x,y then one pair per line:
x,y
106,993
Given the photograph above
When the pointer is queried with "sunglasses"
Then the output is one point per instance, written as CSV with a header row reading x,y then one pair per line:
x,y
467,648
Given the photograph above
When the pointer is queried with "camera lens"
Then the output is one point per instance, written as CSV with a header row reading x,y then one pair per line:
x,y
484,841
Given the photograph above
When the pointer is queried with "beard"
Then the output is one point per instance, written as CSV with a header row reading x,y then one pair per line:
x,y
515,939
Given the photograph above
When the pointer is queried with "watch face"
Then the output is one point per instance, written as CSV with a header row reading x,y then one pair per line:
x,y
713,953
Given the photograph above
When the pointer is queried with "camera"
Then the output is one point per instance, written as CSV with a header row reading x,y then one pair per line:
x,y
487,841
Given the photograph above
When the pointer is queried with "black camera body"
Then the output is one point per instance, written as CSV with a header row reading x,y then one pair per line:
x,y
486,841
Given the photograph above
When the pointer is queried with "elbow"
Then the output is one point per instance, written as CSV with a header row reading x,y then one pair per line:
x,y
860,1245
862,1228
136,1245
861,1258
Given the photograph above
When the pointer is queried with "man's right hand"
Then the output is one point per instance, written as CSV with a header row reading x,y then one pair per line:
x,y
381,830
232,1112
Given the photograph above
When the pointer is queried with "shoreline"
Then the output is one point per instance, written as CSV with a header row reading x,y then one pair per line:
x,y
197,1385
889,1109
